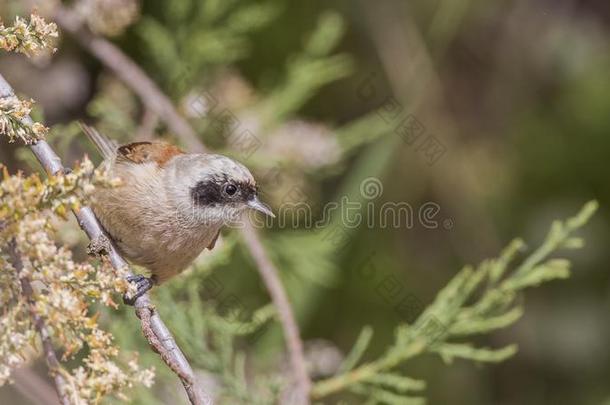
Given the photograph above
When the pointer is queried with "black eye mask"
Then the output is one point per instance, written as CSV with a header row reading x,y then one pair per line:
x,y
213,192
207,193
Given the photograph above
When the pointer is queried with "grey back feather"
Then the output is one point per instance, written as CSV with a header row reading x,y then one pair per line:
x,y
105,145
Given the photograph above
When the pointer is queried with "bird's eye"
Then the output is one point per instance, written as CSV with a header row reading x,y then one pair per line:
x,y
230,189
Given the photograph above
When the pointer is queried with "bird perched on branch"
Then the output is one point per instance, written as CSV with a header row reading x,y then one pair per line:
x,y
170,205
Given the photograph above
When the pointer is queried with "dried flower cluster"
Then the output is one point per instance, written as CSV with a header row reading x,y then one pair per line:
x,y
12,112
109,17
30,38
65,292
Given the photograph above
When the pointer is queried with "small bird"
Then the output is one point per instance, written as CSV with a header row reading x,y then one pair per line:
x,y
170,205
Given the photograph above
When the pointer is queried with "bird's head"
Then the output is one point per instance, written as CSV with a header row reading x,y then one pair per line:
x,y
219,188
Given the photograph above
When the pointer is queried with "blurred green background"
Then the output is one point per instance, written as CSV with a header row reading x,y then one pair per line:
x,y
514,96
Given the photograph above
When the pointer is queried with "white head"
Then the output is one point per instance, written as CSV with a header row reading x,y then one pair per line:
x,y
212,189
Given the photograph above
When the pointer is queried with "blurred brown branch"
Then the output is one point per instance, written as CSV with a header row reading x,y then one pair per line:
x,y
131,74
421,90
168,348
136,79
278,294
34,387
39,324
148,124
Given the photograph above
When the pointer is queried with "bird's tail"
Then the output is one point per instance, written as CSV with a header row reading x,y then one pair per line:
x,y
105,145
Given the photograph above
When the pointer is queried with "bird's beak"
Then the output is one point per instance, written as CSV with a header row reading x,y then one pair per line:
x,y
257,205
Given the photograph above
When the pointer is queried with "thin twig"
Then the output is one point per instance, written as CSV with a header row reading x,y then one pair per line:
x,y
136,79
272,281
89,223
47,346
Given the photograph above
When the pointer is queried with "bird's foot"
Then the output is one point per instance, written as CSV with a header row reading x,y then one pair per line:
x,y
143,284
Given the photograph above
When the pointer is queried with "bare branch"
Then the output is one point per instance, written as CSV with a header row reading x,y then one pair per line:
x,y
39,324
136,79
88,222
145,314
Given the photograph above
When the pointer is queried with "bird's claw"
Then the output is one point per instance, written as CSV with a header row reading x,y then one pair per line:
x,y
143,284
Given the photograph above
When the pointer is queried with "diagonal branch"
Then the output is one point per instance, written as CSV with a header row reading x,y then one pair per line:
x,y
154,99
41,328
164,344
33,387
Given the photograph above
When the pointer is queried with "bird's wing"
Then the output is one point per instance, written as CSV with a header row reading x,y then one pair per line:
x,y
135,152
105,145
144,152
